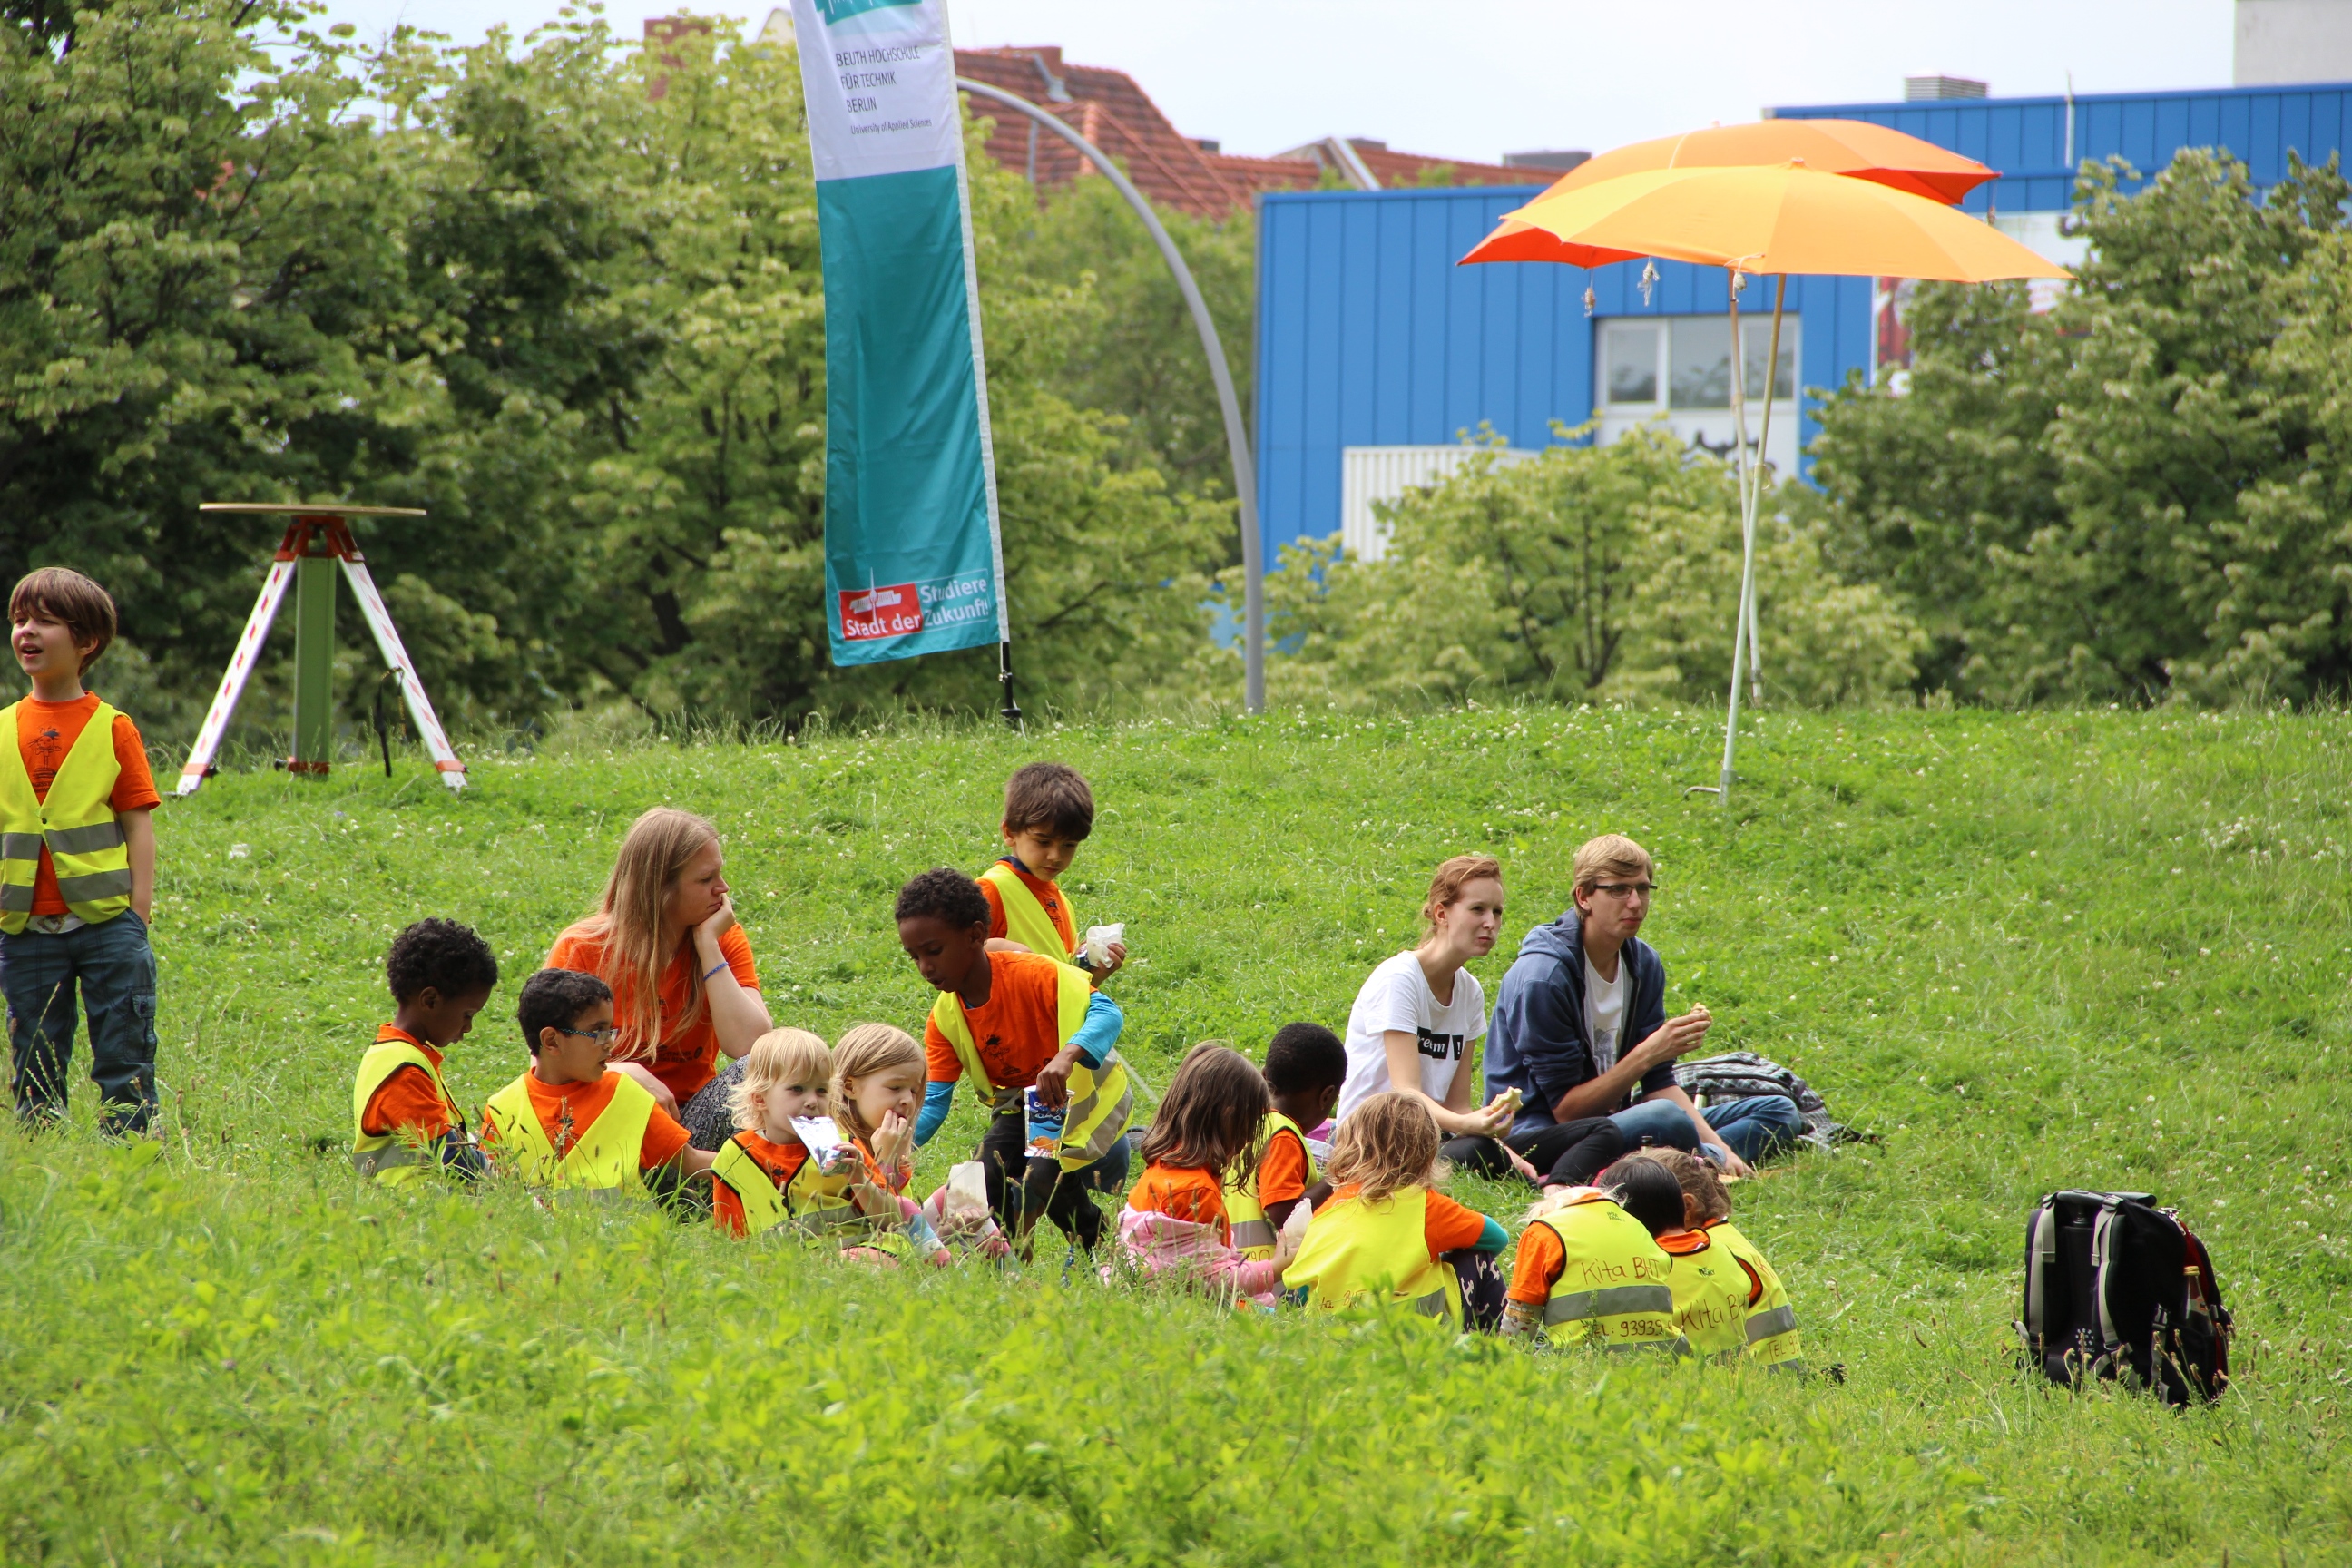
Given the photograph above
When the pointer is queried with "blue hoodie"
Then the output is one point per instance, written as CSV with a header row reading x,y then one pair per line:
x,y
1535,1041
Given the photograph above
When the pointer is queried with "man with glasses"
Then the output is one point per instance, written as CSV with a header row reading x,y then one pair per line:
x,y
1581,988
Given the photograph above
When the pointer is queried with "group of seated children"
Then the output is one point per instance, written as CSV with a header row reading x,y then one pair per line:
x,y
1229,1203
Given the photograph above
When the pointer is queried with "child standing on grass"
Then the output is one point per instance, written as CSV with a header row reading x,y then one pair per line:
x,y
1386,1232
1049,813
76,864
1013,1022
571,1123
403,1119
1589,1269
1305,1066
1727,1300
1175,1223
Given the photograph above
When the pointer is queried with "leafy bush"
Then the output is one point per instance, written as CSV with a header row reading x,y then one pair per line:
x,y
1585,574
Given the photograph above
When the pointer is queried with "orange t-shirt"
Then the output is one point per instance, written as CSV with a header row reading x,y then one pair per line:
x,y
1181,1192
1445,1226
406,1098
1048,894
781,1161
684,1060
1018,1031
566,1111
46,734
1282,1169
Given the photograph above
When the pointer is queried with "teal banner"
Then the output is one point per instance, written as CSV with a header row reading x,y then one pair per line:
x,y
913,564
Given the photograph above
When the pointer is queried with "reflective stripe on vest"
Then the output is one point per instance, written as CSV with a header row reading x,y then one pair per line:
x,y
1101,1098
1355,1248
1025,920
1612,1288
604,1158
76,824
1771,1333
385,1156
809,1201
1253,1232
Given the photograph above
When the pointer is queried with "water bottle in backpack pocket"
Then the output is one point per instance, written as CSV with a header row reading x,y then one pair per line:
x,y
2116,1287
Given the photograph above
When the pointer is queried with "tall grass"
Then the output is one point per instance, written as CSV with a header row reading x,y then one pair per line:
x,y
2093,948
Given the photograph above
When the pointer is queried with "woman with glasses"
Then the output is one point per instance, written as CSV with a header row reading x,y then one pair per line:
x,y
1581,1027
685,992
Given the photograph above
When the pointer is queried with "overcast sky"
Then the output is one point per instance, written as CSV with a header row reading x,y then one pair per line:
x,y
1474,79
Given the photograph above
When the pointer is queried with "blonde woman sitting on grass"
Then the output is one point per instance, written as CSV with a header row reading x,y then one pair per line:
x,y
685,992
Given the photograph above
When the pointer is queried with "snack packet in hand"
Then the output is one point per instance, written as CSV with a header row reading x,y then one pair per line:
x,y
1098,940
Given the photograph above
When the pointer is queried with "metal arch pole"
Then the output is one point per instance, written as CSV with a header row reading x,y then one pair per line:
x,y
1236,435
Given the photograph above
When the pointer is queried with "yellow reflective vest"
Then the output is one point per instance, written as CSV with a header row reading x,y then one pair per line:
x,y
76,824
1025,920
386,1157
1253,1232
1380,1248
602,1160
811,1200
1771,1327
1612,1288
1101,1098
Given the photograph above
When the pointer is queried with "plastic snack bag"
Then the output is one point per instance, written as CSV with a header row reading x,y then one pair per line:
x,y
1097,947
1045,1125
822,1139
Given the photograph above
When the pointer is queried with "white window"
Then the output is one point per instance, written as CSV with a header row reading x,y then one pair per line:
x,y
1369,473
1677,371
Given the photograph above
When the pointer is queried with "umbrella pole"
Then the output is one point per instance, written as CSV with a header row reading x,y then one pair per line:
x,y
1763,442
1747,546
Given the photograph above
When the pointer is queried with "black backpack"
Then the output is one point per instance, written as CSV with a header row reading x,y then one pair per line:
x,y
2115,1287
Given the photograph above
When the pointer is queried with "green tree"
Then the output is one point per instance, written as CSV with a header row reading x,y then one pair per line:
x,y
2117,497
580,324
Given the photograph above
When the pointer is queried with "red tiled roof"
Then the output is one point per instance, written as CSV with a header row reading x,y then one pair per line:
x,y
1172,169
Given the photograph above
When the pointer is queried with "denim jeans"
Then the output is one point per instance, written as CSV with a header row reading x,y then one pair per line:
x,y
1755,1128
114,968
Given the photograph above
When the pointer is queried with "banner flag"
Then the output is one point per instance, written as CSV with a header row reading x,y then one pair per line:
x,y
913,560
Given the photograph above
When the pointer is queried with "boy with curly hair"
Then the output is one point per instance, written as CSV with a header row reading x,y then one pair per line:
x,y
1016,1022
403,1119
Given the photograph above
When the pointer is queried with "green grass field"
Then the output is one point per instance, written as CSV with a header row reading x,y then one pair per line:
x,y
2106,949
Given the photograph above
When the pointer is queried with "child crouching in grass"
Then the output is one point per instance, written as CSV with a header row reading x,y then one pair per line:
x,y
1175,1223
1386,1232
1727,1300
569,1123
1590,1270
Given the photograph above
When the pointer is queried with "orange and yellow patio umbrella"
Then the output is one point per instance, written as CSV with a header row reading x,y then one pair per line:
x,y
1853,147
1761,221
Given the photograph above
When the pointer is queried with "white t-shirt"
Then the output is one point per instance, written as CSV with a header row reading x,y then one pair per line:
x,y
1605,1014
1396,995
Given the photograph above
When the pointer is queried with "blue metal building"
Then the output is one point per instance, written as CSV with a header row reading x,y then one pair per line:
x,y
1370,341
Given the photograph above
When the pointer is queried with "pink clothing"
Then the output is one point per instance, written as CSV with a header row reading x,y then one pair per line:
x,y
1159,1246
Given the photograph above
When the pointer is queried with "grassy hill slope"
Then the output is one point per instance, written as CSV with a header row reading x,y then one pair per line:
x,y
2099,948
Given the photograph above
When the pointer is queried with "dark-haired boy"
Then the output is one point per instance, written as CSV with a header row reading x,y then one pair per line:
x,y
403,1119
1305,1064
76,864
570,1122
1049,813
1013,1022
